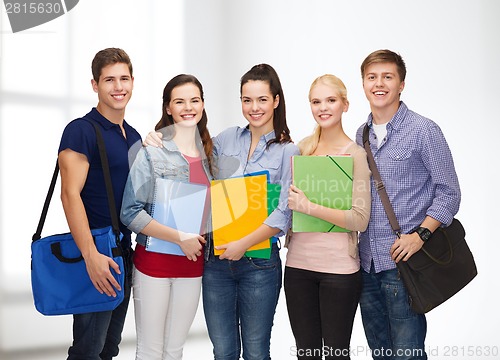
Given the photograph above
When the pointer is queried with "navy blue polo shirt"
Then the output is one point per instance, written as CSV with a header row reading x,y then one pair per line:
x,y
79,135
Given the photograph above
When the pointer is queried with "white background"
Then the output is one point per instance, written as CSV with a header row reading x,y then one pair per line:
x,y
452,53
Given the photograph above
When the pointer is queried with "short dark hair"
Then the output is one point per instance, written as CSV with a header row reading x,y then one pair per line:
x,y
385,56
107,57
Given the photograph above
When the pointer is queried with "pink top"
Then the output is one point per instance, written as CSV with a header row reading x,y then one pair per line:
x,y
173,266
336,253
321,252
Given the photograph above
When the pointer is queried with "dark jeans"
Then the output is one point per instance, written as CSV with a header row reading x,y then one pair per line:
x,y
97,335
393,330
239,300
321,308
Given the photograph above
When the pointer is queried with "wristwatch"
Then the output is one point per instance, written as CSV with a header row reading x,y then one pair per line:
x,y
424,233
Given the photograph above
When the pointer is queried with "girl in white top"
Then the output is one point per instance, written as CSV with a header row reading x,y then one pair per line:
x,y
322,279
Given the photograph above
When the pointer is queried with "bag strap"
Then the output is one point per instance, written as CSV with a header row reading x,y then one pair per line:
x,y
107,180
43,216
379,184
386,202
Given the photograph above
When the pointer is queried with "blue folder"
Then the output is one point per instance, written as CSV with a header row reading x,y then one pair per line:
x,y
180,206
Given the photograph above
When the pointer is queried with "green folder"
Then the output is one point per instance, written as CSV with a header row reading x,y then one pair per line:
x,y
273,197
325,180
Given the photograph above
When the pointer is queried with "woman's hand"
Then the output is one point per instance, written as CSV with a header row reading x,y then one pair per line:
x,y
298,201
232,251
153,139
191,245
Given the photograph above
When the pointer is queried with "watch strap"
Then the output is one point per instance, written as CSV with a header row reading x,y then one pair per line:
x,y
424,233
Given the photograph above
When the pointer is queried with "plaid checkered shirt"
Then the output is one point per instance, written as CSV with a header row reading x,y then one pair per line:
x,y
417,169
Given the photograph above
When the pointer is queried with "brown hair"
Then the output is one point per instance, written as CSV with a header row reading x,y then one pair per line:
x,y
385,56
107,57
167,119
266,73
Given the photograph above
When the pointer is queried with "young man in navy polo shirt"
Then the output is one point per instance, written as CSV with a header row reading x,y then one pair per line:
x,y
84,197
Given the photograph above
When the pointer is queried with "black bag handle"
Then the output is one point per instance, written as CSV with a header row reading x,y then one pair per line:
x,y
55,249
435,259
107,180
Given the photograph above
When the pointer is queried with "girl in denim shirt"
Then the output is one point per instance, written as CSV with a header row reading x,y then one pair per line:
x,y
240,293
166,288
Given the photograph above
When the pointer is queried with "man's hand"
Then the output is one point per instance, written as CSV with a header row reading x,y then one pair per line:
x,y
405,246
98,269
153,139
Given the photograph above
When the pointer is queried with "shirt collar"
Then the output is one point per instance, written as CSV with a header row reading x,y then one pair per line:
x,y
168,134
396,120
267,137
95,115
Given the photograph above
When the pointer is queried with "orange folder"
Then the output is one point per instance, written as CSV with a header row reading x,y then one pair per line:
x,y
239,207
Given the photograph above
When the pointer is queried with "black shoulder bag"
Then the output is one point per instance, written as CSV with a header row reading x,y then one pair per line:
x,y
444,264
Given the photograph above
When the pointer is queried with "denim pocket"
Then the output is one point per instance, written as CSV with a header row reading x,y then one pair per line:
x,y
397,298
262,263
271,263
170,170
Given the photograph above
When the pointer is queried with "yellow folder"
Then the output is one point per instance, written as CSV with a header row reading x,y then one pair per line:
x,y
239,207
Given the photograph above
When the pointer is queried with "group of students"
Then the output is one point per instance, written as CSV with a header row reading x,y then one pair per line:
x,y
326,274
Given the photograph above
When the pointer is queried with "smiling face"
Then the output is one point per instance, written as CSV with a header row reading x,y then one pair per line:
x,y
383,86
114,90
186,105
327,105
258,104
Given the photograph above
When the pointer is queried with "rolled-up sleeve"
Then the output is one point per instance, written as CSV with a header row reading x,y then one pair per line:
x,y
137,194
438,159
281,217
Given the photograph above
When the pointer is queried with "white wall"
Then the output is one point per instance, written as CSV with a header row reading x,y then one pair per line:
x,y
452,53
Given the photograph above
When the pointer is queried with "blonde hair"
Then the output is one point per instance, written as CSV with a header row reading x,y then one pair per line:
x,y
310,143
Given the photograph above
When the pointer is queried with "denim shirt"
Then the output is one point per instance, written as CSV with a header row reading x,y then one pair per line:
x,y
152,163
231,149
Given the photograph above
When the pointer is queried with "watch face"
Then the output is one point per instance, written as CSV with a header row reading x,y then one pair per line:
x,y
424,233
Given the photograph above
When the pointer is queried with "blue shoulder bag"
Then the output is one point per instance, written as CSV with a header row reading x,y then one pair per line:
x,y
59,278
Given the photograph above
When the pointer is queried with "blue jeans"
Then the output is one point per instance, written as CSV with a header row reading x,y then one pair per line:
x,y
393,330
97,335
239,300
